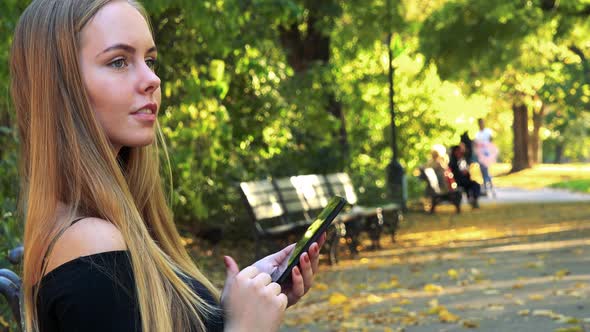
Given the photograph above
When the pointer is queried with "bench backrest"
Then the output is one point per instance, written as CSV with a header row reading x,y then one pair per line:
x,y
340,184
292,199
263,199
272,202
317,190
314,190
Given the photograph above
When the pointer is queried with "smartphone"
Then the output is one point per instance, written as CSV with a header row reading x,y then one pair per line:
x,y
283,273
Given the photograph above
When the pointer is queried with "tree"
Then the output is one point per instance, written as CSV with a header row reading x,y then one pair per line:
x,y
479,39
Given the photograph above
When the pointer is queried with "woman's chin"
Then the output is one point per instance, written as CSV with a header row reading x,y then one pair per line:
x,y
138,142
142,143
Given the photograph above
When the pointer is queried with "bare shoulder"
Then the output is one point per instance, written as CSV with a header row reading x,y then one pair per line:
x,y
86,237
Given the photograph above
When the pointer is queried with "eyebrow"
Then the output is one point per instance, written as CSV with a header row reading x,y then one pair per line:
x,y
126,48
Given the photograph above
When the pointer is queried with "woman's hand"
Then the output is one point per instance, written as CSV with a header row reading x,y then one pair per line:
x,y
301,278
251,301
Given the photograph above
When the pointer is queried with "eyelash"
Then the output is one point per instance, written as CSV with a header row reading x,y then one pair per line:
x,y
151,63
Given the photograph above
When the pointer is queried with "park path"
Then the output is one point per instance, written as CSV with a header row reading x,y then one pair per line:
x,y
463,275
544,195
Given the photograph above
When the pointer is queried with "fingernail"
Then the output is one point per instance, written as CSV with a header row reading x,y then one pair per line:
x,y
225,261
306,258
296,271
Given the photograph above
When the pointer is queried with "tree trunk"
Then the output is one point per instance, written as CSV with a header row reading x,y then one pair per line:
x,y
536,149
520,160
335,108
559,153
302,51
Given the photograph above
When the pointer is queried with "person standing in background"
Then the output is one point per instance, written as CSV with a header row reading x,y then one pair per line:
x,y
486,153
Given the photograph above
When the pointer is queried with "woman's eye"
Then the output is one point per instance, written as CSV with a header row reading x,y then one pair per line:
x,y
151,63
118,64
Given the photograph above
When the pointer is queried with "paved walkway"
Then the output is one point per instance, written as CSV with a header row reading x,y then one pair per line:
x,y
482,277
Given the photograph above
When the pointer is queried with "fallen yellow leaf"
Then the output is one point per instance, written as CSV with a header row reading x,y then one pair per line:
x,y
470,324
320,286
570,329
361,286
453,274
495,307
405,302
394,295
436,310
536,297
546,313
525,312
337,298
446,317
374,298
397,310
433,288
562,273
571,320
535,265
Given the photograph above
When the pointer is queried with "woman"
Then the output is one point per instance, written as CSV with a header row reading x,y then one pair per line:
x,y
101,250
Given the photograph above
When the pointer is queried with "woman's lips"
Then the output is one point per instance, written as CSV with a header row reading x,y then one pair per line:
x,y
146,113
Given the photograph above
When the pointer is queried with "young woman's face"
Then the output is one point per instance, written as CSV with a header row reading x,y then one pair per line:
x,y
117,57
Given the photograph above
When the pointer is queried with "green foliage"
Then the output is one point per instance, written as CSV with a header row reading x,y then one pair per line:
x,y
235,107
10,226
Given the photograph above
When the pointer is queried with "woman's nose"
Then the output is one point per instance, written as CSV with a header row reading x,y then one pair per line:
x,y
149,80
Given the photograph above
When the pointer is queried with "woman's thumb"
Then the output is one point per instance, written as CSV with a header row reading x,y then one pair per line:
x,y
231,266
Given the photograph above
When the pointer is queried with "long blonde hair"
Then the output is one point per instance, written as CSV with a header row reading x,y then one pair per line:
x,y
67,158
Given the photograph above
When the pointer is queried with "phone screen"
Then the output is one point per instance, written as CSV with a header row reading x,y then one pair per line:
x,y
313,232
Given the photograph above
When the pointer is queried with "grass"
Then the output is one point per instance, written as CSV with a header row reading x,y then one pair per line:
x,y
574,177
502,216
581,185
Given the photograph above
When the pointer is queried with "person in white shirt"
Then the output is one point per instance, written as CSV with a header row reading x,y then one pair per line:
x,y
486,153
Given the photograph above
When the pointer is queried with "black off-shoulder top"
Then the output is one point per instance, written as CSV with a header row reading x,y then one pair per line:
x,y
97,293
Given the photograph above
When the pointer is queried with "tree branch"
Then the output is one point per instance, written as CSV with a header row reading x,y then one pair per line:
x,y
552,5
577,51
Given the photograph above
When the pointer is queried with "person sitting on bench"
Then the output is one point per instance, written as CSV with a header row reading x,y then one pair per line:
x,y
439,163
458,166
